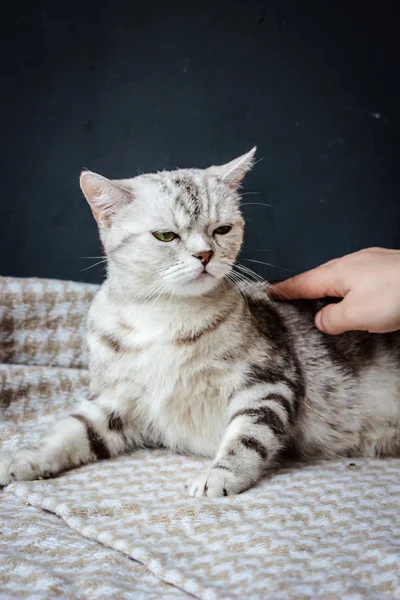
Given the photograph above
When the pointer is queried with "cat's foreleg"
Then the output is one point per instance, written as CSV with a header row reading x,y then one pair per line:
x,y
260,420
95,431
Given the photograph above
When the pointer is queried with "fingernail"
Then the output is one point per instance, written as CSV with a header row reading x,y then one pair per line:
x,y
318,321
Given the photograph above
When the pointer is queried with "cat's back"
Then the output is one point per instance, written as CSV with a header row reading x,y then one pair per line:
x,y
353,352
351,382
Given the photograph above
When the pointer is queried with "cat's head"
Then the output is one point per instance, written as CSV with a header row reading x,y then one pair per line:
x,y
173,232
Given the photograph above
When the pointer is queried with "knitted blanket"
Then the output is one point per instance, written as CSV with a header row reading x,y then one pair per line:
x,y
125,528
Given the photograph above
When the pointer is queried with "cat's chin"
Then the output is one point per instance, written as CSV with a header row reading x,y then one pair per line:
x,y
203,284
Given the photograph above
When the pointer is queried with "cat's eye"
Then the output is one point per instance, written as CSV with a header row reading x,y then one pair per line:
x,y
165,236
224,229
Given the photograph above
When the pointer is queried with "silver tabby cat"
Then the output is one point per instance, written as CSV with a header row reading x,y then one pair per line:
x,y
185,357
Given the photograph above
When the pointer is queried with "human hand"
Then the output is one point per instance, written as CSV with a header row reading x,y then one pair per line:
x,y
369,283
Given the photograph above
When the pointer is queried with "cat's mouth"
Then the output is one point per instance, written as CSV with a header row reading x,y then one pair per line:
x,y
203,275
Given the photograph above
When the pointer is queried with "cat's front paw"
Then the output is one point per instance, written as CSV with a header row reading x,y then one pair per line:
x,y
216,482
22,465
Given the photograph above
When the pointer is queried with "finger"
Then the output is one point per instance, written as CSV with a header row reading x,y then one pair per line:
x,y
338,318
317,283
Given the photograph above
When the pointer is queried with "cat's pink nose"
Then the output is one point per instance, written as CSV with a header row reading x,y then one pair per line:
x,y
204,257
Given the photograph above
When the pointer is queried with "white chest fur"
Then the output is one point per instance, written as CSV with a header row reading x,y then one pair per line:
x,y
178,389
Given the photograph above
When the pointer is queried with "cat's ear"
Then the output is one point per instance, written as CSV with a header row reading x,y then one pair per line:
x,y
104,196
233,172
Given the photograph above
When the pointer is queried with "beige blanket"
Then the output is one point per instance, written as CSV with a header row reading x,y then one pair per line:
x,y
329,530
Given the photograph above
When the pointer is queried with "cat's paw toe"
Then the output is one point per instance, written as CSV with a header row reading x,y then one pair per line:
x,y
6,459
215,483
18,466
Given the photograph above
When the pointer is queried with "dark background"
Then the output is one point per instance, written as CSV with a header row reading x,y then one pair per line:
x,y
119,87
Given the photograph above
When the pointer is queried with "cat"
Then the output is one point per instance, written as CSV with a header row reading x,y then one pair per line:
x,y
186,354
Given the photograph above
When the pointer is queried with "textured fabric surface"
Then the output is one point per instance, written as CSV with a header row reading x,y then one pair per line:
x,y
42,558
328,530
42,322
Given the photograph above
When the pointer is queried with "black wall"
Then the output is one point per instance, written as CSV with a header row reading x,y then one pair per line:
x,y
120,87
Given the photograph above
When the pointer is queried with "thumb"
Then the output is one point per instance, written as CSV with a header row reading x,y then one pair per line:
x,y
338,318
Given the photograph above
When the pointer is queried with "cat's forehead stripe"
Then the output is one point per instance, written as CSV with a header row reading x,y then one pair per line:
x,y
191,193
188,195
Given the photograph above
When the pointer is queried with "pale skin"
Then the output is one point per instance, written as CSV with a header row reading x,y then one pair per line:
x,y
369,283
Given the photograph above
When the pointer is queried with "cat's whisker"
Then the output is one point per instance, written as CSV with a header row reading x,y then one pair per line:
x,y
248,270
251,273
244,292
158,293
234,278
149,291
157,289
257,161
269,265
162,289
101,262
245,278
166,268
173,292
262,250
231,282
257,204
279,293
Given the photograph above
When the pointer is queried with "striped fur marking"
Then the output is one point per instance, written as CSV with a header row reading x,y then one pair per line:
x,y
115,345
219,466
264,415
96,442
252,444
286,404
115,422
111,342
124,242
194,337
